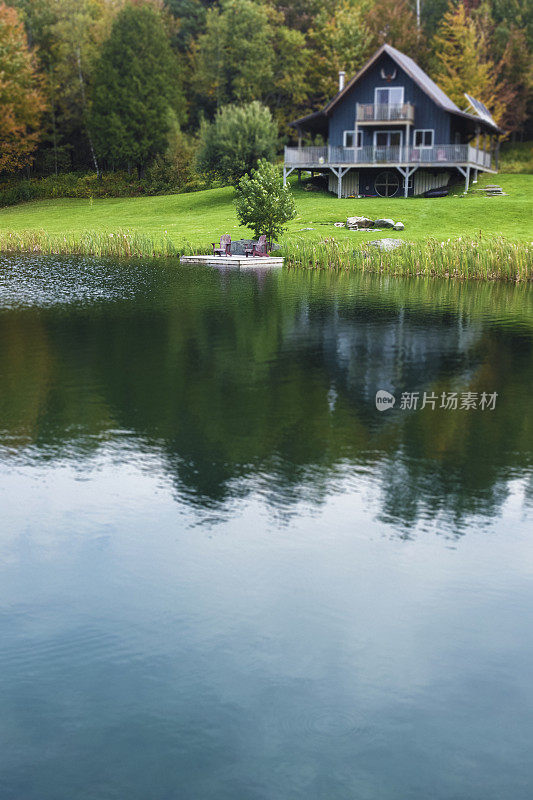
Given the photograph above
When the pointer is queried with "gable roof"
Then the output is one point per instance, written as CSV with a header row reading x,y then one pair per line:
x,y
411,68
418,76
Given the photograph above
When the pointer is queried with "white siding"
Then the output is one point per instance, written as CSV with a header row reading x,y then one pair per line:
x,y
424,180
350,183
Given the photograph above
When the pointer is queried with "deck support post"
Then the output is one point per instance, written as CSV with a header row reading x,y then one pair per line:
x,y
406,173
286,172
478,137
467,179
339,173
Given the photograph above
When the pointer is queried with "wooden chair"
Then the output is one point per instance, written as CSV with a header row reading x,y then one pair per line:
x,y
224,249
259,248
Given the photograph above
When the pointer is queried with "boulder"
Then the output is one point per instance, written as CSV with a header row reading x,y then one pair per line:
x,y
384,223
399,226
359,222
387,244
339,224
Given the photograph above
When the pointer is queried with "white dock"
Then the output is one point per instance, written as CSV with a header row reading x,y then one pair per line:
x,y
252,262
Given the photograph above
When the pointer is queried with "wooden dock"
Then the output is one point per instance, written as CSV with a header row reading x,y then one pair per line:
x,y
257,262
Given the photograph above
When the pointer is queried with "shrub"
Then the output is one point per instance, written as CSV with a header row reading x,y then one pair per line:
x,y
238,138
172,171
70,184
517,157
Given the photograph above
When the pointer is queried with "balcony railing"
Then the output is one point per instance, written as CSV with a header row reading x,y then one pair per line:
x,y
440,155
380,112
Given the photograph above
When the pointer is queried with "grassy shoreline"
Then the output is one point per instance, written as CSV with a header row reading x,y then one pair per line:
x,y
479,237
480,259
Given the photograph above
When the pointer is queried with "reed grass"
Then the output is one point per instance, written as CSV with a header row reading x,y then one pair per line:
x,y
494,258
118,244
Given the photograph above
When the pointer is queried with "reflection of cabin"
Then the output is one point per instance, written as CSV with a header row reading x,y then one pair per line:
x,y
391,131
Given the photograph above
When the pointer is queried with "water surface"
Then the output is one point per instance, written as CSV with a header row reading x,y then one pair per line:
x,y
224,573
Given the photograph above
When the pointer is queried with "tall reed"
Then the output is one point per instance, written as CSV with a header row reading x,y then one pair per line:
x,y
120,244
482,259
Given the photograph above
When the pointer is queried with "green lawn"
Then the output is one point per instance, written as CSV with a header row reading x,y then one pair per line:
x,y
200,218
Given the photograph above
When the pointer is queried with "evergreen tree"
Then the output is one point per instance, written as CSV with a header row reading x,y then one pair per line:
x,y
136,83
21,99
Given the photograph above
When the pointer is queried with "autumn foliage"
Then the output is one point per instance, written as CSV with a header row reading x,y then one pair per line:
x,y
21,98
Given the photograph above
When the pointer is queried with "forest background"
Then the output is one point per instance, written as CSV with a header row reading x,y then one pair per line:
x,y
117,97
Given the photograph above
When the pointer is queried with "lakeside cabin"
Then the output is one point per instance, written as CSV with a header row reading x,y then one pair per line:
x,y
391,131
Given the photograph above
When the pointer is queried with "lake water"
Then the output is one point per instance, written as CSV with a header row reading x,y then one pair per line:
x,y
224,574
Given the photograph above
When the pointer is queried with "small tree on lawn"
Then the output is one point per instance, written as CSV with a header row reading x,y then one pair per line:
x,y
263,202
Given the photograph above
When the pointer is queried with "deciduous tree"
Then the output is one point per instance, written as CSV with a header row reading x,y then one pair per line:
x,y
236,140
263,202
21,97
463,61
245,54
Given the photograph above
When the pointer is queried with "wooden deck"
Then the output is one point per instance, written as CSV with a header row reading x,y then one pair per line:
x,y
259,262
449,155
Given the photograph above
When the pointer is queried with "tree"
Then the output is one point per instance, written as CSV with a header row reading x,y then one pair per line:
x,y
135,85
21,98
67,36
462,64
393,22
263,202
245,54
239,136
340,40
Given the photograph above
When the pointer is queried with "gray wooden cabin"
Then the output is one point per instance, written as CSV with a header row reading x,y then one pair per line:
x,y
391,131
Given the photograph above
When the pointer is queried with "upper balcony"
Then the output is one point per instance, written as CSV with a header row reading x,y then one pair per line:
x,y
371,113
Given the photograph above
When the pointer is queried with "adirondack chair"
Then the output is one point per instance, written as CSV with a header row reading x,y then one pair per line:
x,y
259,248
224,248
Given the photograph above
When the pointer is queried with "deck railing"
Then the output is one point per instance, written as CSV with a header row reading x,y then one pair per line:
x,y
440,155
378,112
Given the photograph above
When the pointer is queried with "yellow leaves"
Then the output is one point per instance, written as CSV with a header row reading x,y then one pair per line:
x,y
21,98
462,47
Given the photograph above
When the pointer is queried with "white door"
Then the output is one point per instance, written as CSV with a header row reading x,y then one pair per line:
x,y
388,98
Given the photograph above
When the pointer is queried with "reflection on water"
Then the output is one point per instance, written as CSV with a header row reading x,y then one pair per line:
x,y
242,385
219,564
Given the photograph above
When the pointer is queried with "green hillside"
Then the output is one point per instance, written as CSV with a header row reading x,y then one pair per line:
x,y
199,218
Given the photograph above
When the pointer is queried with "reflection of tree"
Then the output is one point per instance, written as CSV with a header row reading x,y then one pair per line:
x,y
269,386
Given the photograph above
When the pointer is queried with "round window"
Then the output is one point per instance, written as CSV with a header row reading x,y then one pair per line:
x,y
387,184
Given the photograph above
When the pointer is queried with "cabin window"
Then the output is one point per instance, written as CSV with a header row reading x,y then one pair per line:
x,y
349,138
388,95
388,138
387,183
423,138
